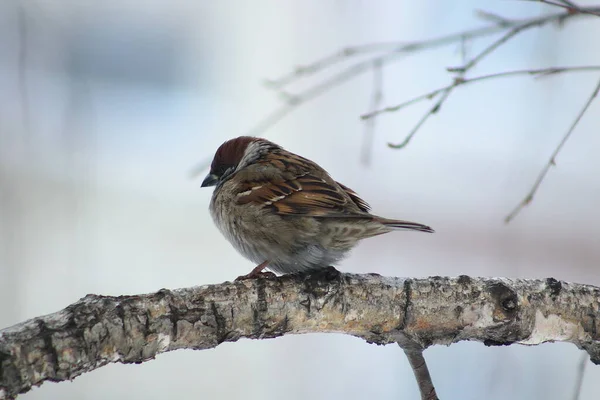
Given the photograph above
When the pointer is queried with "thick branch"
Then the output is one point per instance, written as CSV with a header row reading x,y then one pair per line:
x,y
98,330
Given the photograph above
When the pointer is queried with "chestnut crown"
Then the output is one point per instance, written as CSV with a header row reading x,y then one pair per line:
x,y
227,158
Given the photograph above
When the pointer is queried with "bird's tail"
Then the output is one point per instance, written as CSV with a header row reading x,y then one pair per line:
x,y
396,224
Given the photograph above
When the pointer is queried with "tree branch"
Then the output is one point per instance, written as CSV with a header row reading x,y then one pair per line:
x,y
98,330
414,354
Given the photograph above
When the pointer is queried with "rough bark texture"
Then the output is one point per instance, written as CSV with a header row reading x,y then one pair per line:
x,y
98,330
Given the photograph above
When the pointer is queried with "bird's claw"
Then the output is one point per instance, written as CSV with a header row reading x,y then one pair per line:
x,y
256,275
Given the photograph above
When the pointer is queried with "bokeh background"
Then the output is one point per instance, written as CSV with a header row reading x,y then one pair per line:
x,y
106,106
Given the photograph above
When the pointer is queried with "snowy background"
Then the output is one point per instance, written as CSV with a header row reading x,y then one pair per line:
x,y
119,100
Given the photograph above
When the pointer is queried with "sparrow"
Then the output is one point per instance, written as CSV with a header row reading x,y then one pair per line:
x,y
286,213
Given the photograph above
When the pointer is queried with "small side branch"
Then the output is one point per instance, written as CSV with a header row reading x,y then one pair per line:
x,y
466,81
552,161
414,354
419,367
98,330
569,6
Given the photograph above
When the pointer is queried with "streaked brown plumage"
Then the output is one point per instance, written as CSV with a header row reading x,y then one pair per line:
x,y
283,210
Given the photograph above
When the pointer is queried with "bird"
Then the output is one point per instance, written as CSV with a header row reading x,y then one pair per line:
x,y
285,212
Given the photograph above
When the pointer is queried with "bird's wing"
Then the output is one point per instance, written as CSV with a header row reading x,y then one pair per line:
x,y
292,185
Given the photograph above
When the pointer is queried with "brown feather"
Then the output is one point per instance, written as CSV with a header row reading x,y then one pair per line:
x,y
363,205
277,206
303,188
230,153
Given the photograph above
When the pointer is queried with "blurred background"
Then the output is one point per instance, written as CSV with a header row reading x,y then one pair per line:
x,y
105,107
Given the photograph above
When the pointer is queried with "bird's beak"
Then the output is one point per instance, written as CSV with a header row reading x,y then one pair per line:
x,y
210,180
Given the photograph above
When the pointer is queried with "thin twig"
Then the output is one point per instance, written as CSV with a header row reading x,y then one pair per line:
x,y
495,18
552,161
401,48
569,6
333,59
583,361
436,107
494,46
461,73
460,82
459,78
376,99
569,3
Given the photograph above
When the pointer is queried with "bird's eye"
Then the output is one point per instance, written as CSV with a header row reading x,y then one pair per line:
x,y
223,171
228,171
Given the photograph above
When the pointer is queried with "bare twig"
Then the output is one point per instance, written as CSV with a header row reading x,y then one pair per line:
x,y
460,82
569,3
446,93
462,71
436,107
376,99
331,60
569,6
514,28
414,354
394,50
495,18
552,160
494,46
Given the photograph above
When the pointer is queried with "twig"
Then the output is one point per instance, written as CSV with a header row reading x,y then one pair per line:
x,y
552,160
460,77
461,82
436,107
331,60
569,3
495,18
376,99
569,6
492,47
394,51
583,361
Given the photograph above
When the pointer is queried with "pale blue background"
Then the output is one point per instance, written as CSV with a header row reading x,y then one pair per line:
x,y
125,97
